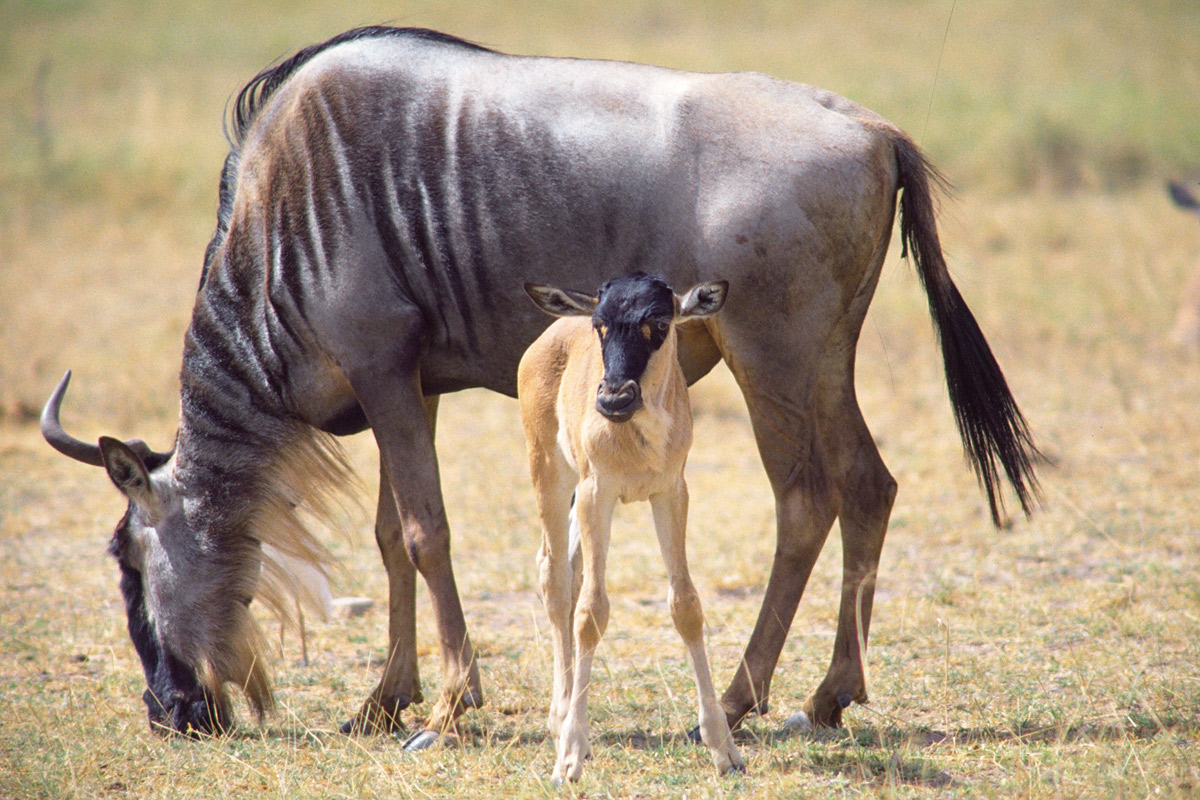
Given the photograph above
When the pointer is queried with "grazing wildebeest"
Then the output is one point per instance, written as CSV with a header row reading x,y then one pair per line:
x,y
627,440
387,194
1186,332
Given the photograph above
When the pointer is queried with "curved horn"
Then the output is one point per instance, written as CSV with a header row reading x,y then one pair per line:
x,y
60,440
68,445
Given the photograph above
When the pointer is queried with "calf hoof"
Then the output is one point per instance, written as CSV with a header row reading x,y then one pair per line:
x,y
694,736
728,760
567,774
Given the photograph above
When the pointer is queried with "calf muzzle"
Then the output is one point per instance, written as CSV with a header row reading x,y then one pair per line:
x,y
619,404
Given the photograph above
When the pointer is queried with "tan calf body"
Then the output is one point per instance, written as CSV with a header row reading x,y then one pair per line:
x,y
575,449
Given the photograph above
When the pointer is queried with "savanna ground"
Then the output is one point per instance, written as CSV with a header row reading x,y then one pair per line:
x,y
1057,658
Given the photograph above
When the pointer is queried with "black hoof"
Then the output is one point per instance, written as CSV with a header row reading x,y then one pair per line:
x,y
421,740
738,768
694,736
376,718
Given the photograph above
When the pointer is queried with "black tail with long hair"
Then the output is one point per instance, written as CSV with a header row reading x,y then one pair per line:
x,y
993,430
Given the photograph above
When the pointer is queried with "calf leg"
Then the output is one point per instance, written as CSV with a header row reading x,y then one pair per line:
x,y
591,619
553,481
670,519
576,556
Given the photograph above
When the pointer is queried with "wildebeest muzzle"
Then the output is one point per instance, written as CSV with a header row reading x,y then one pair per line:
x,y
177,703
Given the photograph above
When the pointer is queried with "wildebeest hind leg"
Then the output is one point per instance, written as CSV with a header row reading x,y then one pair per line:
x,y
778,394
868,491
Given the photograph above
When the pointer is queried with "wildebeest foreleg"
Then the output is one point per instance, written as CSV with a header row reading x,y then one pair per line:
x,y
400,684
404,434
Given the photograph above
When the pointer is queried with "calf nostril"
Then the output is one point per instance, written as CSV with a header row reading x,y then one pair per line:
x,y
625,394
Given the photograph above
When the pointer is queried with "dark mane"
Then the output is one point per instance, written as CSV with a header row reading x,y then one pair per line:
x,y
255,94
258,91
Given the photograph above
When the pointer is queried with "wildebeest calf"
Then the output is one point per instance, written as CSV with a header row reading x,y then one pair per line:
x,y
627,440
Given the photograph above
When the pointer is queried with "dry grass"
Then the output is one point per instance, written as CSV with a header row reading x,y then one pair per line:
x,y
1060,658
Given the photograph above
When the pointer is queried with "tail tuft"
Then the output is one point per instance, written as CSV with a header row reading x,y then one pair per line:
x,y
994,432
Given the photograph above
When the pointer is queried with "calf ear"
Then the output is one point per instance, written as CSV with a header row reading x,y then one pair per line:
x,y
128,472
561,302
703,300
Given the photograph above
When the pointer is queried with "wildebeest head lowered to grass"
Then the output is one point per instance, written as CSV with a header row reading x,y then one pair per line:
x,y
387,195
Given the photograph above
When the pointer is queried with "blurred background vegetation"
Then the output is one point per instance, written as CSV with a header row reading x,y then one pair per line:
x,y
120,102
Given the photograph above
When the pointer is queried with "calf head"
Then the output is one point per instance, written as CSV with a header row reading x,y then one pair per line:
x,y
633,316
182,602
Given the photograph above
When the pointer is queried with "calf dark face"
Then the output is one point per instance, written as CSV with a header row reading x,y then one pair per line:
x,y
633,316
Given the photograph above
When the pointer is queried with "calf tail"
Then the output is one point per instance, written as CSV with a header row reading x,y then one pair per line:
x,y
994,432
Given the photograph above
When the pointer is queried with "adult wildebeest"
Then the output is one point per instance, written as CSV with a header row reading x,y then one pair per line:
x,y
387,194
625,441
